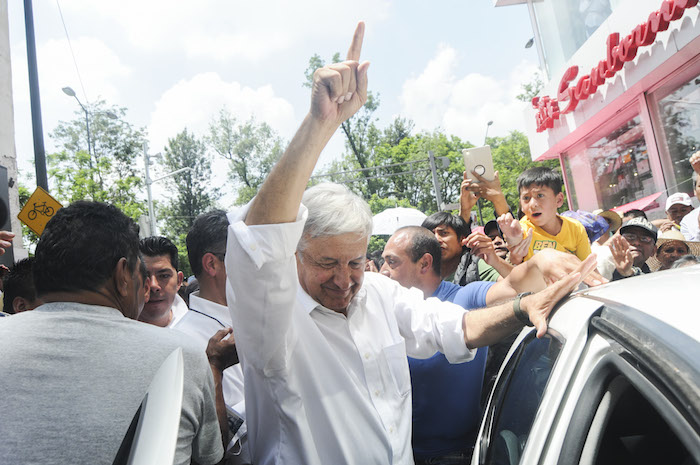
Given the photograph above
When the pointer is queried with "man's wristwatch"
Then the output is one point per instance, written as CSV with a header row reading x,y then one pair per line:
x,y
519,314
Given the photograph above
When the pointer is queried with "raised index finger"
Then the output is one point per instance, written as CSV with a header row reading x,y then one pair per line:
x,y
356,46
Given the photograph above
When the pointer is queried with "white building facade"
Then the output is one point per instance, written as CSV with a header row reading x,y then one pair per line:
x,y
621,108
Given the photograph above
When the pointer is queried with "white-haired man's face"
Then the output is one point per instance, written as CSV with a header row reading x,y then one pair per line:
x,y
331,269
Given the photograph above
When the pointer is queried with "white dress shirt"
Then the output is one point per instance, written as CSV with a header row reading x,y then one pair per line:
x,y
201,322
179,310
323,388
689,226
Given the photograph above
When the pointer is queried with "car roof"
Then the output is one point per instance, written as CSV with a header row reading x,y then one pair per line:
x,y
671,296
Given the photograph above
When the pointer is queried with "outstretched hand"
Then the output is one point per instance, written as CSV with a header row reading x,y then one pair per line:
x,y
511,229
539,306
5,240
481,246
340,89
622,255
554,265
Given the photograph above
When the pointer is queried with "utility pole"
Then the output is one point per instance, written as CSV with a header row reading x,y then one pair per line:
x,y
37,128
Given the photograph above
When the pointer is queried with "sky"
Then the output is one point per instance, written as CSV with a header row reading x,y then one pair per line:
x,y
447,64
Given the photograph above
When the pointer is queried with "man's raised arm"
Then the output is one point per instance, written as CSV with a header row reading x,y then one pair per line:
x,y
338,91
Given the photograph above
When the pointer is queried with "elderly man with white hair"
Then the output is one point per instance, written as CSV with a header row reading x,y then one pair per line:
x,y
322,344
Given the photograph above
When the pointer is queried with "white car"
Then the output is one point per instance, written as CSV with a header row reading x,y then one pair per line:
x,y
616,380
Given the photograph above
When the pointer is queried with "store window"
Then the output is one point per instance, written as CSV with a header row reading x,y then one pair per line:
x,y
565,25
675,108
619,167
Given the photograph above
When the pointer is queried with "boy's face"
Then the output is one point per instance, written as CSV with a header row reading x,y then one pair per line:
x,y
540,204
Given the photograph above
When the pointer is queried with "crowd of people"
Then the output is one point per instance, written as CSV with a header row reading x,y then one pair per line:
x,y
299,347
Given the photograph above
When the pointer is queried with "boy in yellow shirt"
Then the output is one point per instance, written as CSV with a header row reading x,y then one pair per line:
x,y
540,197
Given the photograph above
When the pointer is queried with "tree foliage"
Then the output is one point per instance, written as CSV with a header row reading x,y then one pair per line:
x,y
190,191
106,169
252,149
531,89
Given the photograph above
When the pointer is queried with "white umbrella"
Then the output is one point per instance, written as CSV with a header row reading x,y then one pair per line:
x,y
391,219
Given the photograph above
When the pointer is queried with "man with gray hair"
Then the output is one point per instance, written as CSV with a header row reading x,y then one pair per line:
x,y
322,344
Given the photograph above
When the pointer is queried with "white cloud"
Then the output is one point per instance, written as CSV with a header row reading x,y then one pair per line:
x,y
463,105
192,103
98,63
101,70
224,30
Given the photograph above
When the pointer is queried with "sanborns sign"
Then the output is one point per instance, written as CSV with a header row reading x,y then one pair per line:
x,y
618,53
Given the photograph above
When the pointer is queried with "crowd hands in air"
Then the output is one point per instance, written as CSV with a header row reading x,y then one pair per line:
x,y
293,354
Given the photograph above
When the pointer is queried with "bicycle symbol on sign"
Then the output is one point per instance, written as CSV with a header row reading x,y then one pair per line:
x,y
40,208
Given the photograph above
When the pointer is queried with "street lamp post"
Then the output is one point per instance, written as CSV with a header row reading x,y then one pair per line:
x,y
71,93
488,125
150,182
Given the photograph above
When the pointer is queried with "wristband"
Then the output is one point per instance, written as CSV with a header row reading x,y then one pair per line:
x,y
519,313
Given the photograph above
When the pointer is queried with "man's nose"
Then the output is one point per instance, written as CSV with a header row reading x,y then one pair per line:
x,y
385,270
343,277
154,284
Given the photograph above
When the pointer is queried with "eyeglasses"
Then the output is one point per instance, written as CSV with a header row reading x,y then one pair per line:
x,y
631,237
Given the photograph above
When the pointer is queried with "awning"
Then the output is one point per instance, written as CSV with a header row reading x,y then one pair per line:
x,y
645,203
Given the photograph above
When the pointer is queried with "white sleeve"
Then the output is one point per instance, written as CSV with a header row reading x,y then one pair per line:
x,y
262,287
428,325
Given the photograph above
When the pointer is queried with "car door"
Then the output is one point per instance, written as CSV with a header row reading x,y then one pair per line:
x,y
531,386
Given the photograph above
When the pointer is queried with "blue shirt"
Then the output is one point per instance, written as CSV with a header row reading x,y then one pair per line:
x,y
446,396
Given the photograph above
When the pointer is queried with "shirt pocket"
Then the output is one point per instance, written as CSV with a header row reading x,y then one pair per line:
x,y
395,356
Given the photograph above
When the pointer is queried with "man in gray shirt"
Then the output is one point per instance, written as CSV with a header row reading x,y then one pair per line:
x,y
74,371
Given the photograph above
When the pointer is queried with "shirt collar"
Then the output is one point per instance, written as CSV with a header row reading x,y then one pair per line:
x,y
218,311
309,304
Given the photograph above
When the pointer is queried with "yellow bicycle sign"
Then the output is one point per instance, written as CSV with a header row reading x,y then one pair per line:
x,y
38,210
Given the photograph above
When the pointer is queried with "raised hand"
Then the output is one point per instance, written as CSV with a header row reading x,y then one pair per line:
x,y
511,229
467,197
481,246
340,89
695,161
622,255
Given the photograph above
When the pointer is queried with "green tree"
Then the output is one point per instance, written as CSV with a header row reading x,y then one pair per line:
x,y
531,89
105,171
190,190
361,133
252,149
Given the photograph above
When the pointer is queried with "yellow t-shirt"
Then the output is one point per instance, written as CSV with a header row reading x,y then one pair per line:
x,y
572,238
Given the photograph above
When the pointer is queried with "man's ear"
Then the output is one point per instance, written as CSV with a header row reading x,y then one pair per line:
x,y
180,278
122,277
209,261
426,263
560,199
20,304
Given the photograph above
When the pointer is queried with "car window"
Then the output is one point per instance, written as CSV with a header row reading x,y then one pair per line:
x,y
517,398
635,433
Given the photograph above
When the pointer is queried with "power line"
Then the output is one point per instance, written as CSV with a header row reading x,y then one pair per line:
x,y
70,46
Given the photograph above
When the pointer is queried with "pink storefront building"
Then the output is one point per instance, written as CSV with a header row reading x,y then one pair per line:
x,y
621,106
